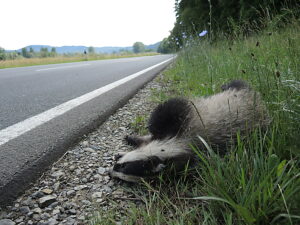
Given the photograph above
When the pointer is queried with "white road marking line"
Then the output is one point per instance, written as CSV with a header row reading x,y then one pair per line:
x,y
22,127
62,67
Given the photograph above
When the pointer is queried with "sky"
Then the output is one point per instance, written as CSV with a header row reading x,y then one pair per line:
x,y
95,23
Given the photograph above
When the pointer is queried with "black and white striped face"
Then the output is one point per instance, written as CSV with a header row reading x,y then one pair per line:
x,y
133,166
149,160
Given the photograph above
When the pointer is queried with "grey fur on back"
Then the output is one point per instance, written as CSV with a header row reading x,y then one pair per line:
x,y
217,118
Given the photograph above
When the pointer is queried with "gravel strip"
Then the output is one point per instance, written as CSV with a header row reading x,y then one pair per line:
x,y
78,184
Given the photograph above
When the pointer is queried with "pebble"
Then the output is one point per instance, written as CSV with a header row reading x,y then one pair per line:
x,y
71,192
58,174
46,201
78,184
89,150
47,191
102,170
7,222
97,195
24,209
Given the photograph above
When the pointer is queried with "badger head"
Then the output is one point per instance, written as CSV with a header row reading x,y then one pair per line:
x,y
147,161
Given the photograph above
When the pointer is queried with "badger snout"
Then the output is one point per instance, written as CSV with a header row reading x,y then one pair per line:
x,y
134,169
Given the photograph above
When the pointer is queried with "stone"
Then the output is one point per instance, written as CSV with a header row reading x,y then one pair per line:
x,y
51,222
37,210
102,170
55,211
118,192
24,209
53,205
85,143
70,221
45,216
47,191
86,202
72,168
7,222
37,194
56,186
97,195
84,180
71,192
19,220
72,211
107,189
28,202
89,150
80,187
58,174
46,201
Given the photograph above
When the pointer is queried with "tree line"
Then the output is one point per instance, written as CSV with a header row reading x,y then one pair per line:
x,y
224,16
138,47
43,53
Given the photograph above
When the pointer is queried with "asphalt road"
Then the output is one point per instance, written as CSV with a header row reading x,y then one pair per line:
x,y
44,110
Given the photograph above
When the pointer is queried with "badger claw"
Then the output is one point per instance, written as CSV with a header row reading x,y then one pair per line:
x,y
119,155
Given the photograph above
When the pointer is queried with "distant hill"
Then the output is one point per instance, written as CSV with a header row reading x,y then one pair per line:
x,y
81,49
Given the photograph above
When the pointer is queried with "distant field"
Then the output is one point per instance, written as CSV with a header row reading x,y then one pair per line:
x,y
65,59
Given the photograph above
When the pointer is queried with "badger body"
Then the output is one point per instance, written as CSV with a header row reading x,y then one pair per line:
x,y
177,124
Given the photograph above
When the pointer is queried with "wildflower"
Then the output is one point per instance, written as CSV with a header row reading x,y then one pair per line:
x,y
203,33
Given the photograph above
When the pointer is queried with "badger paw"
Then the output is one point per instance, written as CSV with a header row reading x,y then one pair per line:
x,y
119,155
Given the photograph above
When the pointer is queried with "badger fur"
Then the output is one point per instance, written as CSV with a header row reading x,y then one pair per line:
x,y
176,125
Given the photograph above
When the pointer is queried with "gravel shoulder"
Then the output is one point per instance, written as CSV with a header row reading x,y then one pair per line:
x,y
78,185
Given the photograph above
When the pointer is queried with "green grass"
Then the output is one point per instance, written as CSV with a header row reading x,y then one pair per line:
x,y
138,126
257,182
22,62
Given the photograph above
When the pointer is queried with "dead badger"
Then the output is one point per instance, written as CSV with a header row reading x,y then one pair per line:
x,y
177,123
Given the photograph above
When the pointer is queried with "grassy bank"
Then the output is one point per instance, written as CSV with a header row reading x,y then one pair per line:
x,y
258,182
21,62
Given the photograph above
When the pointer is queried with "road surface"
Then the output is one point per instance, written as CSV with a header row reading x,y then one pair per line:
x,y
46,109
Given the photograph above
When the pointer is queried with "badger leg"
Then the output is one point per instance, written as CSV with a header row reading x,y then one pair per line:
x,y
138,141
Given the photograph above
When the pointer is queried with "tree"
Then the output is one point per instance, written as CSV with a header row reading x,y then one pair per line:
x,y
194,16
138,47
2,54
91,50
25,53
53,52
44,52
166,46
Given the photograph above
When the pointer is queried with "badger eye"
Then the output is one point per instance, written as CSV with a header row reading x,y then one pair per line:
x,y
118,166
162,150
